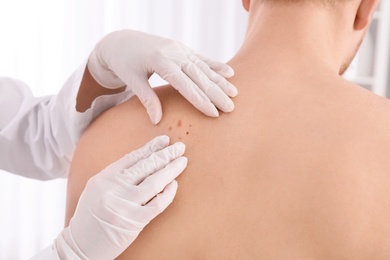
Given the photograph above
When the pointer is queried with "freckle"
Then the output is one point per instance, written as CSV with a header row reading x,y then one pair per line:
x,y
180,138
190,125
179,123
188,133
170,128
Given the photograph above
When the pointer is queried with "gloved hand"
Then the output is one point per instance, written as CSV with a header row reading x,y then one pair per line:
x,y
130,57
120,201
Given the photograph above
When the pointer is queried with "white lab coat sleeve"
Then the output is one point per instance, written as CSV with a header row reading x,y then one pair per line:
x,y
38,135
59,250
49,253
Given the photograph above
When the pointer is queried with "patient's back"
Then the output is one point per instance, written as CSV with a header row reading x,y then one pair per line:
x,y
298,172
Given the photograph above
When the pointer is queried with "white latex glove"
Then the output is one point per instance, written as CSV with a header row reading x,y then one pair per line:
x,y
130,57
120,201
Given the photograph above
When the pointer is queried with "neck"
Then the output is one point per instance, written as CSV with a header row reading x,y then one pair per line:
x,y
292,36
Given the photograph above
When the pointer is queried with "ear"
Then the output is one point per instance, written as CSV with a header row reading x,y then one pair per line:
x,y
364,13
246,4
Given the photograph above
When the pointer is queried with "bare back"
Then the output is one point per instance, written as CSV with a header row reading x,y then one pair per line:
x,y
298,172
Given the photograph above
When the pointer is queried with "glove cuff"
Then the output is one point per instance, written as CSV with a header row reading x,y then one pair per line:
x,y
68,250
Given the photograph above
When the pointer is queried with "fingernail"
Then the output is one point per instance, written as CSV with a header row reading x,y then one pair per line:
x,y
229,72
182,161
162,140
214,112
230,105
233,91
154,116
180,147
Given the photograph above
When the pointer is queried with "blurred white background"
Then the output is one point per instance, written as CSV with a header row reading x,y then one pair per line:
x,y
43,41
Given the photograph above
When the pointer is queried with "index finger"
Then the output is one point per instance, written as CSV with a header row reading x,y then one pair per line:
x,y
190,91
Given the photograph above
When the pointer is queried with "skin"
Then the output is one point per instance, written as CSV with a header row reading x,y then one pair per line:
x,y
300,169
90,89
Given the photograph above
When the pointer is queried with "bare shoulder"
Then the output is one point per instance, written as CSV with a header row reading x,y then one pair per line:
x,y
127,126
369,119
123,129
370,104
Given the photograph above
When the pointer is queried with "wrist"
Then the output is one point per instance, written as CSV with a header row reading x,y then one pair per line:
x,y
90,89
66,247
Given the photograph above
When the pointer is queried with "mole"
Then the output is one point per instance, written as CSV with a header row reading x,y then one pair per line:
x,y
188,133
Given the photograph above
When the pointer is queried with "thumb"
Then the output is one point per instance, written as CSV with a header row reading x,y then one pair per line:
x,y
149,99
